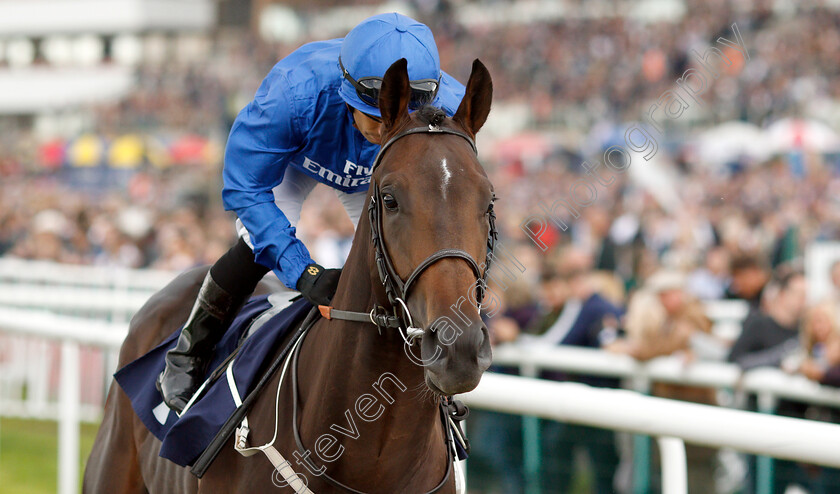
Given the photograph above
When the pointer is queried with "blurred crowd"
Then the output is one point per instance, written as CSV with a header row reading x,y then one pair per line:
x,y
571,71
576,302
160,224
172,221
587,69
629,275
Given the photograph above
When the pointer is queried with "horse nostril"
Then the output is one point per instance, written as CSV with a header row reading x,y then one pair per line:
x,y
485,333
484,350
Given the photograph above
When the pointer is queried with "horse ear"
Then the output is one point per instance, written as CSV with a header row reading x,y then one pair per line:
x,y
394,94
474,108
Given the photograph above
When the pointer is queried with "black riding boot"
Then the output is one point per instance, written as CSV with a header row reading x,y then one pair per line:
x,y
186,364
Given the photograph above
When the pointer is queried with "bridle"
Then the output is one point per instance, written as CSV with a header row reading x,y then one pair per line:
x,y
451,411
397,292
396,289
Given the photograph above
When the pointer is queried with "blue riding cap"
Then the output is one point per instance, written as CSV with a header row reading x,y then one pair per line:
x,y
379,41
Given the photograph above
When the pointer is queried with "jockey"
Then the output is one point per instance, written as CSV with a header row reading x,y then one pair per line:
x,y
313,120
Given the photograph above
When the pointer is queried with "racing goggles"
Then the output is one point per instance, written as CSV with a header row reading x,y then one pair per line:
x,y
423,91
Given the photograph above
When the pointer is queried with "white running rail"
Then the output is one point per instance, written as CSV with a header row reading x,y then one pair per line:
x,y
71,332
793,439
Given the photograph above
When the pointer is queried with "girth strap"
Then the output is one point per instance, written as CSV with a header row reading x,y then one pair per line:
x,y
284,468
281,465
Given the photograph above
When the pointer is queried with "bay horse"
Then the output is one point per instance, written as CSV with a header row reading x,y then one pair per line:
x,y
433,204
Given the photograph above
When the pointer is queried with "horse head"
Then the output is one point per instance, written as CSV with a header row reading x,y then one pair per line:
x,y
433,204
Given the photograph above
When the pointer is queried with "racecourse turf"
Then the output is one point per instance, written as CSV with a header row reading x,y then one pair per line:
x,y
29,455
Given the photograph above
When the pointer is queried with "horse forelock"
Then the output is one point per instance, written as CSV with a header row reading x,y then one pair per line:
x,y
431,115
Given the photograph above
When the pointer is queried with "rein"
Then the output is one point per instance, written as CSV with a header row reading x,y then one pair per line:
x,y
395,288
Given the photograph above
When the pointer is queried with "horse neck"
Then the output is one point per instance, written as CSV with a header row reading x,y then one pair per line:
x,y
344,362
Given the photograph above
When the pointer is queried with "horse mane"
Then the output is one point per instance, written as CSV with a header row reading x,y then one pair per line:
x,y
431,115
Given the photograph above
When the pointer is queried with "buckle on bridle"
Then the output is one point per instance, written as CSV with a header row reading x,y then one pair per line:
x,y
373,320
411,333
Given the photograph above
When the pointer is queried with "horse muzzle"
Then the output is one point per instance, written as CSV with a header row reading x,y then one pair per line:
x,y
456,358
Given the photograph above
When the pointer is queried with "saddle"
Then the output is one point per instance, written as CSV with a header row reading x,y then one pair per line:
x,y
255,333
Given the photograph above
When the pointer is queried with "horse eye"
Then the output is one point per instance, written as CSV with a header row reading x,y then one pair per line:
x,y
389,202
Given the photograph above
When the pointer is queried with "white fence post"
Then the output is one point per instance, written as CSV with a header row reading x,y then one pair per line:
x,y
37,376
674,468
641,443
68,422
531,443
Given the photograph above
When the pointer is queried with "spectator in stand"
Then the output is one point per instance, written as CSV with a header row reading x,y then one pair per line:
x,y
769,337
771,334
749,276
553,294
584,318
661,320
834,296
820,329
517,310
831,376
596,318
44,220
711,281
819,360
609,285
492,432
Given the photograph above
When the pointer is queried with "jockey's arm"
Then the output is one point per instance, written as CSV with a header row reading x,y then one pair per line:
x,y
256,157
274,242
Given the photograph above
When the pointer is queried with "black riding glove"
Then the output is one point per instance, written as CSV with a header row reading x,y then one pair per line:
x,y
317,284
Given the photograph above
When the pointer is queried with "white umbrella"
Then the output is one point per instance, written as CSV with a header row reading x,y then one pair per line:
x,y
658,11
793,134
658,178
732,141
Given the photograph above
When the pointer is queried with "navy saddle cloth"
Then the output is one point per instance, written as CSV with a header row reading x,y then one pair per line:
x,y
186,437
